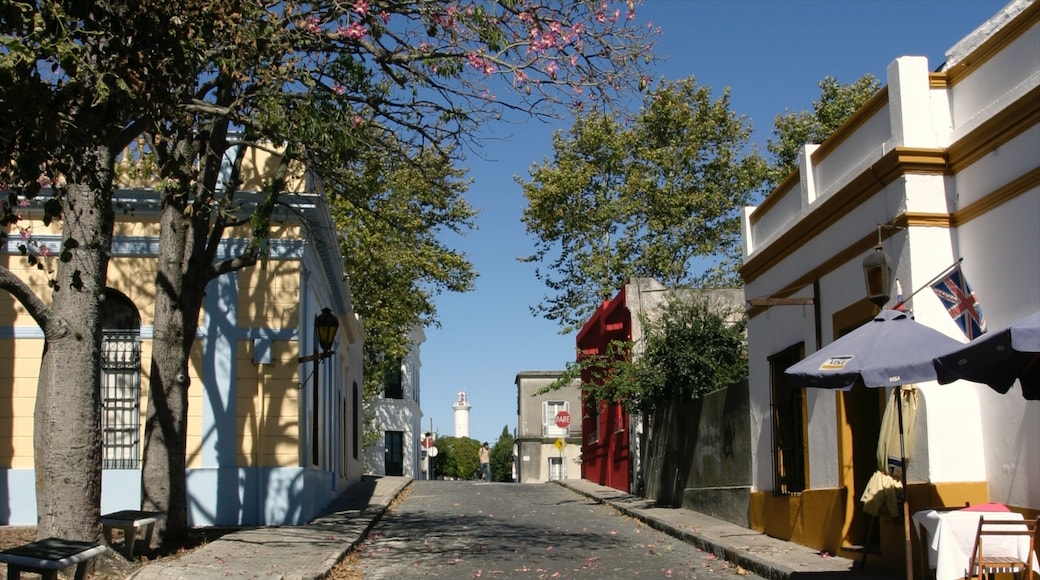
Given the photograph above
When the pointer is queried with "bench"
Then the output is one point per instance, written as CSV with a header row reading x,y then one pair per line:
x,y
130,521
47,557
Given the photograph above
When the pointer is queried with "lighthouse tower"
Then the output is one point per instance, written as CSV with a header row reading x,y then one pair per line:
x,y
461,407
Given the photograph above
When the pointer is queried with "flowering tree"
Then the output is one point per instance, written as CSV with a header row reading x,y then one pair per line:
x,y
318,82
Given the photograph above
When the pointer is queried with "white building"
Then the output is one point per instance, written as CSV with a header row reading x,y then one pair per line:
x,y
398,417
951,161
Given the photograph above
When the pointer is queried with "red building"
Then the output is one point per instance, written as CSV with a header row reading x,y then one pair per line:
x,y
605,450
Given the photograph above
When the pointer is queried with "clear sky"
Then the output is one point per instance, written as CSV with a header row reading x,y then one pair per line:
x,y
770,53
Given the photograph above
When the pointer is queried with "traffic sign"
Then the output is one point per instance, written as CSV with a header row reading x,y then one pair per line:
x,y
427,442
432,452
559,443
563,419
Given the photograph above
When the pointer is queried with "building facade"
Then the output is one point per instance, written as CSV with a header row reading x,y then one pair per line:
x,y
271,440
937,167
546,451
398,418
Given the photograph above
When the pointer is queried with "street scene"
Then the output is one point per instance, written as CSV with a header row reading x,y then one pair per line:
x,y
519,288
478,530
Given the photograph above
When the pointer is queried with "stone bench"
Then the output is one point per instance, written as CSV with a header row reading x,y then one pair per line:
x,y
130,521
47,557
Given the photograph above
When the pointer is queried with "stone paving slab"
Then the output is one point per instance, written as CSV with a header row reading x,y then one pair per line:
x,y
764,555
288,552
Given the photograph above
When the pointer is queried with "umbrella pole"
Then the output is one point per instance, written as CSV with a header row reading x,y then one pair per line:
x,y
902,475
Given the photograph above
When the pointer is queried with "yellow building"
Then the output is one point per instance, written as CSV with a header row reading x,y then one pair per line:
x,y
271,440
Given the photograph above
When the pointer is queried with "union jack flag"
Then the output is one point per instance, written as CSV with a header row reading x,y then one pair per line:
x,y
960,301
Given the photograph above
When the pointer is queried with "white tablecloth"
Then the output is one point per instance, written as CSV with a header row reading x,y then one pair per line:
x,y
950,536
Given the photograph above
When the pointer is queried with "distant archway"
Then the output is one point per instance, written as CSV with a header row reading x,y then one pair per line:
x,y
120,381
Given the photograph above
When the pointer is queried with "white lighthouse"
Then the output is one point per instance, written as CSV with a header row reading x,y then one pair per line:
x,y
461,407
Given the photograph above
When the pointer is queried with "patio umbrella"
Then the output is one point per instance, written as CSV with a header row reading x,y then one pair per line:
x,y
891,350
998,358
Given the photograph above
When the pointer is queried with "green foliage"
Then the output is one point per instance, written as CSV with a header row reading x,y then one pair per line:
x,y
394,215
658,197
502,457
456,458
792,130
689,349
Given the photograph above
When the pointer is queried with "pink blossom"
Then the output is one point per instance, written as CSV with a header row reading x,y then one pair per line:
x,y
361,7
385,16
357,121
550,69
24,202
354,32
45,251
338,89
312,24
25,233
601,17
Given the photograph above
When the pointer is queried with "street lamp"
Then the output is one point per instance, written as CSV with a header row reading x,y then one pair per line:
x,y
325,326
877,272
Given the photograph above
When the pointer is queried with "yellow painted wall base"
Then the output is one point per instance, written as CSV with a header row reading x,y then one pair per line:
x,y
812,518
816,518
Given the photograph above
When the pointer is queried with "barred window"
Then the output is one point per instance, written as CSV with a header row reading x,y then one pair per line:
x,y
787,402
120,382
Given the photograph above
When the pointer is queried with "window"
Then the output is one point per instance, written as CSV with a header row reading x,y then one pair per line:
x,y
120,382
356,402
556,471
787,402
392,383
549,412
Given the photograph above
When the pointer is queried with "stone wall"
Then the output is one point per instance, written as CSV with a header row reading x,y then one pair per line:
x,y
698,455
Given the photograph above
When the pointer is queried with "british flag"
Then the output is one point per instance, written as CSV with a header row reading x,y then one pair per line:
x,y
960,301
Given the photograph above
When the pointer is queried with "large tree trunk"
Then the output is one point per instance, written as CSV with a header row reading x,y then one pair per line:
x,y
178,303
67,419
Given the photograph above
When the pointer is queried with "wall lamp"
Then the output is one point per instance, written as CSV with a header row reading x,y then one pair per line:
x,y
877,273
325,326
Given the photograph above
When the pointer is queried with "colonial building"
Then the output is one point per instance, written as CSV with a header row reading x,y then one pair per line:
x,y
271,439
548,435
398,418
938,167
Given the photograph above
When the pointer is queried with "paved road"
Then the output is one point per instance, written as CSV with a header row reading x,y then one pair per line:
x,y
479,530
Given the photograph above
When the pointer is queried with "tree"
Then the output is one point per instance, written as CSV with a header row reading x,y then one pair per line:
x,y
689,349
393,220
456,457
502,457
315,82
324,84
654,197
75,78
791,131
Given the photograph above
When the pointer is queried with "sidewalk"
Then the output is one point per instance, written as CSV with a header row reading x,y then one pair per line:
x,y
754,551
288,552
310,551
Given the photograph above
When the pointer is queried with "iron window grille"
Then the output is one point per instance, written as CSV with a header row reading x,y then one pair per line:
x,y
120,399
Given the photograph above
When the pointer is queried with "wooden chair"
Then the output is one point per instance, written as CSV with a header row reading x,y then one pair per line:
x,y
984,563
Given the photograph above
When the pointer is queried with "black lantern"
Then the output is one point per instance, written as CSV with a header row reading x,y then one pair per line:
x,y
877,272
325,326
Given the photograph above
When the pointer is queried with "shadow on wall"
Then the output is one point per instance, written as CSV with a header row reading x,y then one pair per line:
x,y
698,454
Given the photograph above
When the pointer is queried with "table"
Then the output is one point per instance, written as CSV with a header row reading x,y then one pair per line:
x,y
46,557
950,538
130,521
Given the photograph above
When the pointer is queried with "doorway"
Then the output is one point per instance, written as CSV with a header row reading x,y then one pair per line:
x,y
394,452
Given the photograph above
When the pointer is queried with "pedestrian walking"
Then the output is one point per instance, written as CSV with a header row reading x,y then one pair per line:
x,y
484,457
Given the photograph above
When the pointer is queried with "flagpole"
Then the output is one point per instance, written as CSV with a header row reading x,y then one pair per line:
x,y
929,283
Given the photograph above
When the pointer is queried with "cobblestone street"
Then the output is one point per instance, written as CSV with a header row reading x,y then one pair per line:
x,y
467,529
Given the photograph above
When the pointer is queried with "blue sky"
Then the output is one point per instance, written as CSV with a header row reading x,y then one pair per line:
x,y
770,53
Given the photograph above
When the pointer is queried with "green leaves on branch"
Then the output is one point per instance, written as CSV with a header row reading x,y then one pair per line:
x,y
657,197
690,348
